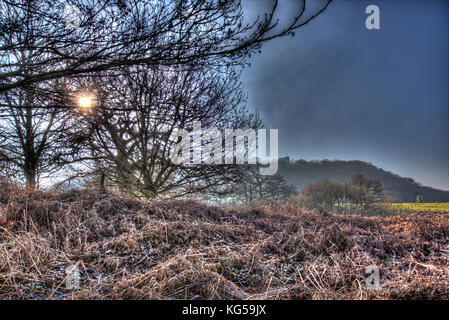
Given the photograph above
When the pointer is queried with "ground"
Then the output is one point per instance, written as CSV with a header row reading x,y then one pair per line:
x,y
130,249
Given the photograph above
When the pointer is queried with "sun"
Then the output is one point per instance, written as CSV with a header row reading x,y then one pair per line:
x,y
85,102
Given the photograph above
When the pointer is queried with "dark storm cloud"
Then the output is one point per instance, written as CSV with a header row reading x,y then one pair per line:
x,y
339,91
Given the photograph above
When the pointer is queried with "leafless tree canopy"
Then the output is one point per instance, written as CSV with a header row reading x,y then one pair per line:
x,y
359,192
118,33
264,189
131,142
150,65
33,140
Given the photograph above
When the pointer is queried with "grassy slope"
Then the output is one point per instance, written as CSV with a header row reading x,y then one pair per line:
x,y
184,249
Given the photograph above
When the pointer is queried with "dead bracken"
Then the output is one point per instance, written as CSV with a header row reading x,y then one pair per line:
x,y
131,249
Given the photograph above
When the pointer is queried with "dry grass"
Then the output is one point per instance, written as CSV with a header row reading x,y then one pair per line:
x,y
129,249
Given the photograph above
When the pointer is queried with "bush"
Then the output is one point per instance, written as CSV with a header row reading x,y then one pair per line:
x,y
322,195
358,194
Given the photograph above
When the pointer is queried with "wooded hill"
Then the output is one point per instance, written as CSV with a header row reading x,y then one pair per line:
x,y
300,173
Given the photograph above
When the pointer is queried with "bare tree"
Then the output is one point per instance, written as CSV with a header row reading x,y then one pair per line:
x,y
131,139
262,188
324,195
359,192
33,140
43,58
32,124
367,191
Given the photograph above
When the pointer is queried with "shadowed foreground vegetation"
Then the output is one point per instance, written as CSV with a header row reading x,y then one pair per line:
x,y
130,249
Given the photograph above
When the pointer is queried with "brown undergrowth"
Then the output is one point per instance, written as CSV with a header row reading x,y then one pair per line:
x,y
130,249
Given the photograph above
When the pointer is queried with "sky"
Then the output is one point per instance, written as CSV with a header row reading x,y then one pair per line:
x,y
339,91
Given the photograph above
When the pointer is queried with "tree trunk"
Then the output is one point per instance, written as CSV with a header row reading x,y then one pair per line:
x,y
102,178
30,177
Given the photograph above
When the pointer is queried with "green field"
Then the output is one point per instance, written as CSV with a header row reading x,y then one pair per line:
x,y
440,207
